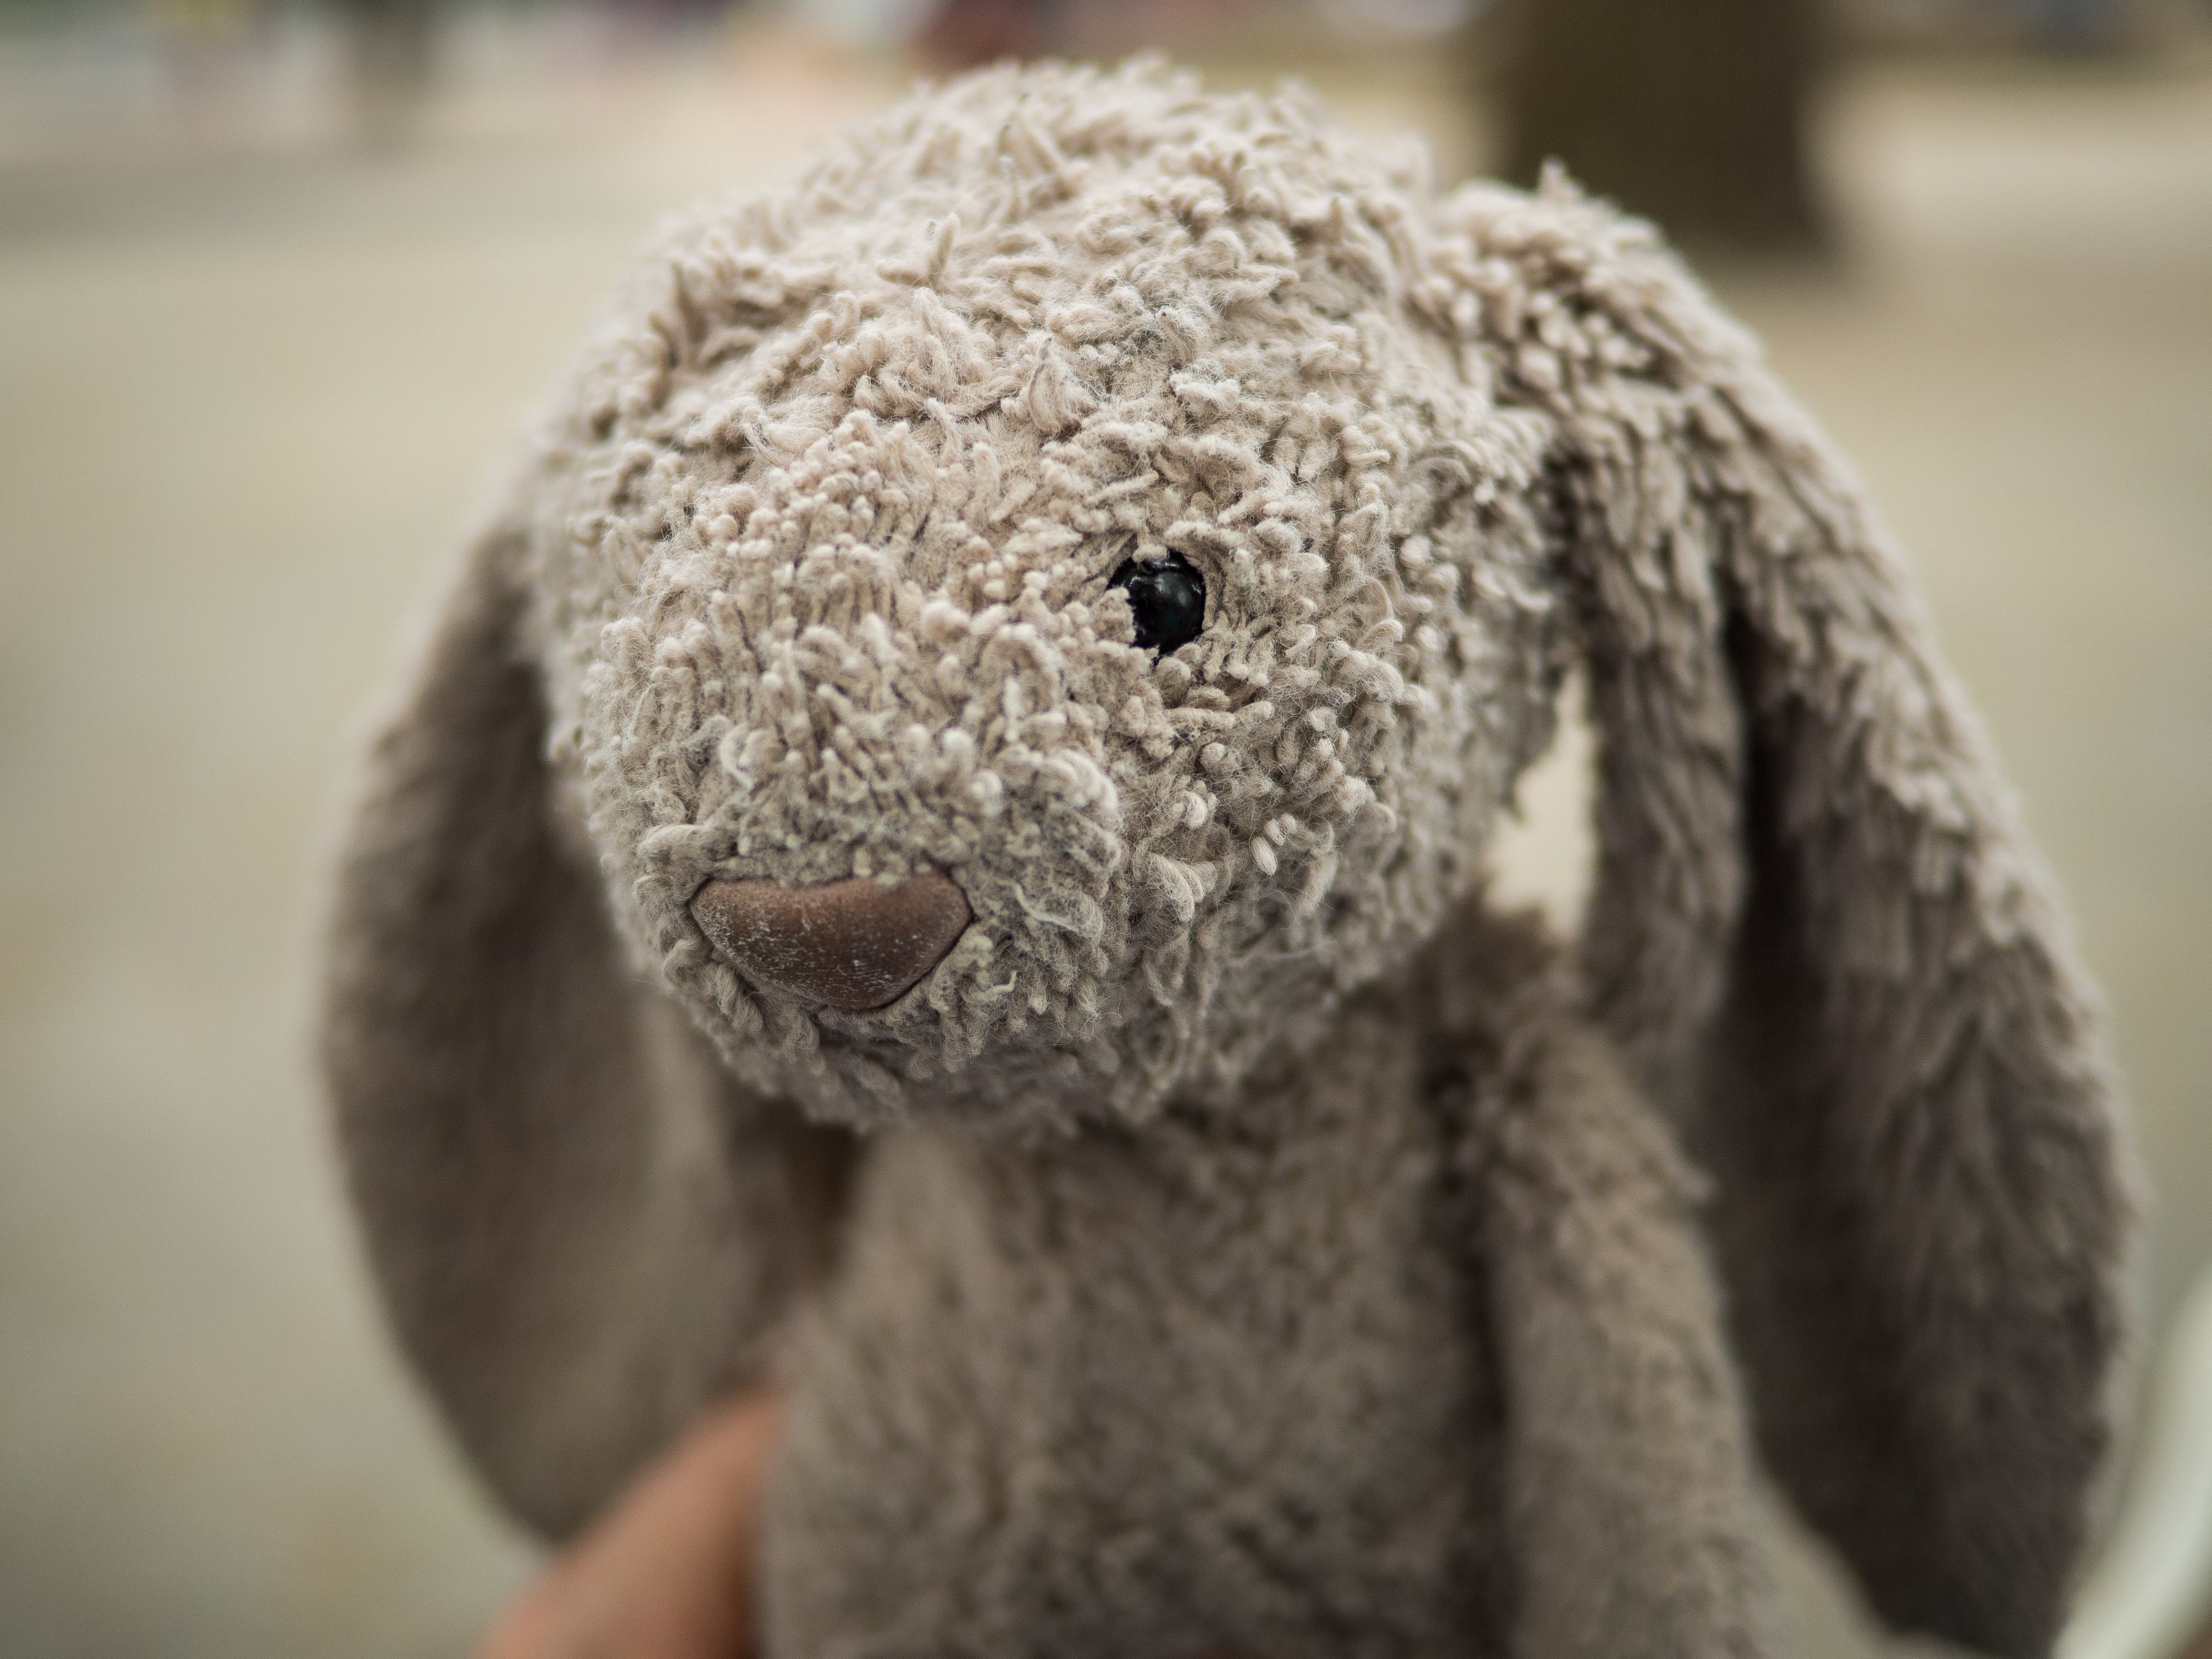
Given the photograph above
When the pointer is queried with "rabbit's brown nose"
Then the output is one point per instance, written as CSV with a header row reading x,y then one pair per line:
x,y
851,943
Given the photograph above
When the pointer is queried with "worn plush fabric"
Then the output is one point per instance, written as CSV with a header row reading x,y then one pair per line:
x,y
1242,1237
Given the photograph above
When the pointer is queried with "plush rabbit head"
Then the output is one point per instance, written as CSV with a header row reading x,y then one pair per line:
x,y
1077,497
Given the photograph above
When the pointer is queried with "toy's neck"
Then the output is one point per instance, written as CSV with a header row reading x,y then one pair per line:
x,y
1441,1015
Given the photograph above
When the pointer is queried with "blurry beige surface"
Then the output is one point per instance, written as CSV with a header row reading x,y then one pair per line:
x,y
250,387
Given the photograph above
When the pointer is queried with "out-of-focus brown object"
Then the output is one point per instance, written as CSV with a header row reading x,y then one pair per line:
x,y
2072,27
966,35
390,43
1692,113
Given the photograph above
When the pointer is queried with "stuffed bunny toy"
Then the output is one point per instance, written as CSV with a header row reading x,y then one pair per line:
x,y
936,856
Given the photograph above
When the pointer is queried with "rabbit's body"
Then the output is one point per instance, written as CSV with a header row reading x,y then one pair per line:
x,y
1254,1377
1264,1377
1091,563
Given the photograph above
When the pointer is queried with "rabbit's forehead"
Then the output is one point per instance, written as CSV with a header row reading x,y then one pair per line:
x,y
985,463
994,432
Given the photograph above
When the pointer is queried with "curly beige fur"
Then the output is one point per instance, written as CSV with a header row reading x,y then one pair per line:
x,y
1241,1236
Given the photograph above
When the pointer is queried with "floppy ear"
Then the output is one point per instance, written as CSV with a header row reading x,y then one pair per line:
x,y
1822,941
580,1228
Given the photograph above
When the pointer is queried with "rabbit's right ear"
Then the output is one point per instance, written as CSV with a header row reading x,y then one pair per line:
x,y
497,1082
1822,941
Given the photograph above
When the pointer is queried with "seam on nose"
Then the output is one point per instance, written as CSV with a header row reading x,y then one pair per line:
x,y
850,945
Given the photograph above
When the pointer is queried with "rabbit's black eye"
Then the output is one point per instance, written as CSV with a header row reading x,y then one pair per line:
x,y
1168,598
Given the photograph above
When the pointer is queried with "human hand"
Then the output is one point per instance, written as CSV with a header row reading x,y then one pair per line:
x,y
668,1572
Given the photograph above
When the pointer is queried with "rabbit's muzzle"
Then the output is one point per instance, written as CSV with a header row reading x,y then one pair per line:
x,y
849,944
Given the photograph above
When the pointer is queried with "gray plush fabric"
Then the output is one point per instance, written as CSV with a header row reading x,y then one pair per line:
x,y
1241,1236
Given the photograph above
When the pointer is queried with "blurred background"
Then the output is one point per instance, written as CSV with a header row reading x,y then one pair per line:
x,y
279,281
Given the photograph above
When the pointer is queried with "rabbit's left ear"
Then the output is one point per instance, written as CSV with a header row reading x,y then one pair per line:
x,y
1822,941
